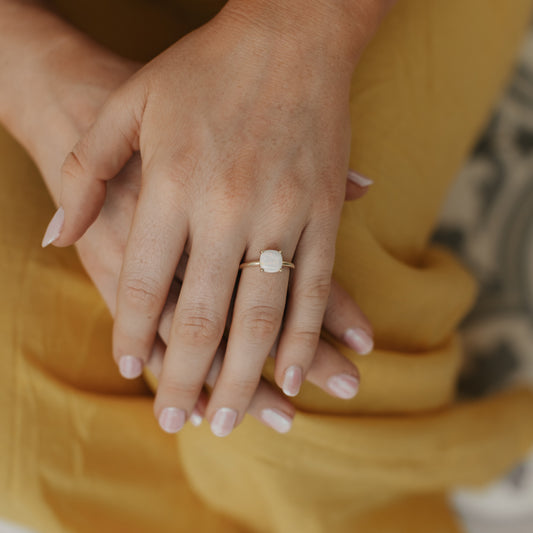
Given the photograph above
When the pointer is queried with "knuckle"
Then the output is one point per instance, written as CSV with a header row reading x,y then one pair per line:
x,y
73,165
173,388
315,289
199,326
141,292
307,339
244,387
261,322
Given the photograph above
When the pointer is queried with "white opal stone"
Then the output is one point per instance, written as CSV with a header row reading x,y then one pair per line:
x,y
270,261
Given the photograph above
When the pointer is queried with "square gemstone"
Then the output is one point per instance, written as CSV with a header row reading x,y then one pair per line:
x,y
270,261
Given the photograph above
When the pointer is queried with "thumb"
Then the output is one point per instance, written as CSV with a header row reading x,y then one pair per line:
x,y
356,186
97,157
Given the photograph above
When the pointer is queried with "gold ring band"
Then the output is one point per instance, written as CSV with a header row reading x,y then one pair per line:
x,y
269,261
257,263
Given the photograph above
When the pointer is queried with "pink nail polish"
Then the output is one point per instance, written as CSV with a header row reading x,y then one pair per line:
x,y
292,381
277,420
54,228
223,421
172,419
359,179
343,385
359,340
130,367
196,418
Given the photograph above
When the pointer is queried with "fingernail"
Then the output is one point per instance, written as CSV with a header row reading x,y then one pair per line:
x,y
343,385
223,421
196,418
276,420
172,419
54,228
292,381
130,367
359,340
359,179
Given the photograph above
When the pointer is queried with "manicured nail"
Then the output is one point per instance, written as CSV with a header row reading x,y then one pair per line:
x,y
54,228
130,367
223,421
196,418
172,419
359,340
359,179
276,420
292,381
343,385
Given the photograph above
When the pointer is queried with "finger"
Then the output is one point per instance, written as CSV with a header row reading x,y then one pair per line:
x,y
155,365
165,320
354,192
330,371
309,292
97,157
165,324
333,373
155,361
256,320
268,405
356,185
198,413
359,179
147,272
345,320
198,323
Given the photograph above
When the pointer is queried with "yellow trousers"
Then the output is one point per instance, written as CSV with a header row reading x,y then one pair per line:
x,y
80,450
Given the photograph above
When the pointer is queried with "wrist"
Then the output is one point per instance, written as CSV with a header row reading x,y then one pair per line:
x,y
69,102
53,82
50,71
27,32
339,28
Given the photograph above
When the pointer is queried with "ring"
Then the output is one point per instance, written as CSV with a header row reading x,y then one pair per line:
x,y
269,261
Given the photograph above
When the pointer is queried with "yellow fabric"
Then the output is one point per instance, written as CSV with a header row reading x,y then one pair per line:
x,y
80,450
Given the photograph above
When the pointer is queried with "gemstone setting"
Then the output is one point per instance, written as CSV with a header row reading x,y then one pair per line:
x,y
271,261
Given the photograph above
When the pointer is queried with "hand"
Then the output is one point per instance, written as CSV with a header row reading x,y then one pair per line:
x,y
262,167
64,89
101,251
330,370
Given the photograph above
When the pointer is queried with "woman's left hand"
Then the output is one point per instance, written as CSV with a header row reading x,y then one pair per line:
x,y
101,251
243,129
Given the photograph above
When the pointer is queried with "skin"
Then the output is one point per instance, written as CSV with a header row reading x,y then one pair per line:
x,y
260,166
55,79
